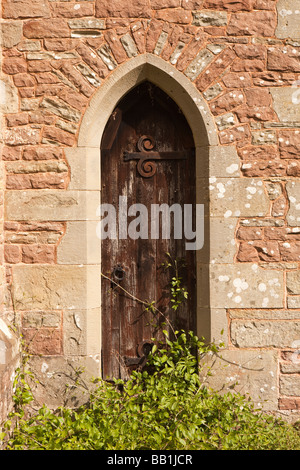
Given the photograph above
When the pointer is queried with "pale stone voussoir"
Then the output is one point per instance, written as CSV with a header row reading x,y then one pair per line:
x,y
53,205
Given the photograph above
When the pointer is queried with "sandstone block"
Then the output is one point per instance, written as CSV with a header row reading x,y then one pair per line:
x,y
9,96
88,251
288,19
24,80
249,233
230,5
289,403
237,80
286,103
201,61
227,102
264,168
225,121
12,254
293,301
255,114
115,45
284,59
24,9
209,18
247,253
157,4
129,45
264,334
60,45
219,162
248,373
289,385
282,233
216,69
92,60
55,384
29,46
238,134
119,9
85,168
290,251
21,136
271,78
293,191
11,153
192,4
176,15
289,141
41,319
293,282
53,135
73,98
59,205
11,33
235,197
18,119
53,287
243,286
42,153
76,10
293,168
43,341
219,241
46,28
14,65
36,181
74,333
248,65
255,23
250,51
26,93
264,137
61,109
76,78
42,254
86,23
258,97
279,207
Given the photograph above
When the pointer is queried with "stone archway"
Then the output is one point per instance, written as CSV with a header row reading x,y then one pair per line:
x,y
72,285
84,162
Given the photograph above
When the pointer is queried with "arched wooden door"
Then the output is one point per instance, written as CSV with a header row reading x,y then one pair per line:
x,y
147,158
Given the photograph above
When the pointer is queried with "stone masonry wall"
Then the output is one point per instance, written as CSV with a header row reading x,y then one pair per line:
x,y
243,56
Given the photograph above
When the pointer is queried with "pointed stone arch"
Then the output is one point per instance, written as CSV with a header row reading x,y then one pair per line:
x,y
84,161
72,285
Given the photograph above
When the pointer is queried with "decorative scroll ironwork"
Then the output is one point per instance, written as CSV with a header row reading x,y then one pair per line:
x,y
145,165
143,350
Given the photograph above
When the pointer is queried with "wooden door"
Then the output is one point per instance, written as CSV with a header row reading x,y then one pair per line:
x,y
147,157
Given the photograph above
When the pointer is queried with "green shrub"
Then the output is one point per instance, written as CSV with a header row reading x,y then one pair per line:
x,y
164,407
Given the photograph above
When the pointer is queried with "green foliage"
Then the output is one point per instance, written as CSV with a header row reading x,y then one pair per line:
x,y
177,290
162,408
